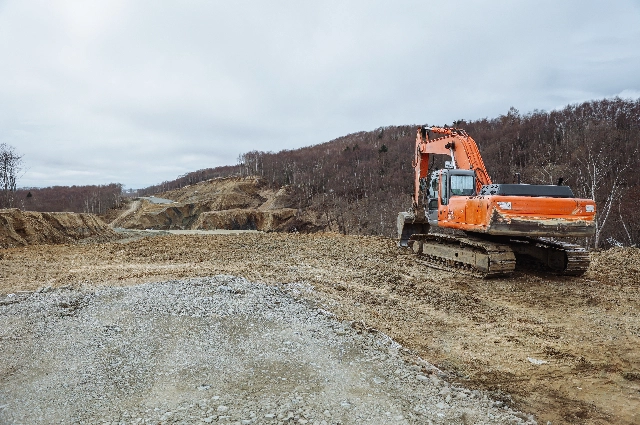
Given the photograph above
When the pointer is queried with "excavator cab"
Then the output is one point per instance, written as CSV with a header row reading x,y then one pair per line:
x,y
444,185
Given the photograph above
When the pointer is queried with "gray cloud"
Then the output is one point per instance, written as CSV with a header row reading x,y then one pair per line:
x,y
140,92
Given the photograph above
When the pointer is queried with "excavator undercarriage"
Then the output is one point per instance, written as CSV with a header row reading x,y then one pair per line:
x,y
470,255
481,257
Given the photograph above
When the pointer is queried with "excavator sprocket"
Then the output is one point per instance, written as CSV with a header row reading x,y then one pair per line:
x,y
467,254
559,257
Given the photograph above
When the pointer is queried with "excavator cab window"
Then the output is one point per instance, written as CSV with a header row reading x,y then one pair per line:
x,y
456,183
444,192
433,192
462,185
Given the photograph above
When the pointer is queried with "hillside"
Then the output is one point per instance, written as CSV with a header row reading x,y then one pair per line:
x,y
80,199
234,203
358,183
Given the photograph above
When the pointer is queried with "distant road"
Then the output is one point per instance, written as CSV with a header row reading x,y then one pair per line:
x,y
155,200
120,219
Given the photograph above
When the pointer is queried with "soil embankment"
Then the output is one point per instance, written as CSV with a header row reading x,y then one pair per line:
x,y
234,203
21,228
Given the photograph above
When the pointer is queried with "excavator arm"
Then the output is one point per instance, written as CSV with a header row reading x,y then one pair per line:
x,y
454,142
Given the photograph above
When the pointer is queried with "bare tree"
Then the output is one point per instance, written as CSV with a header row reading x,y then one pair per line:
x,y
10,167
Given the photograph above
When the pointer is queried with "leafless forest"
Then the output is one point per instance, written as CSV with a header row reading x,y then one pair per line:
x,y
361,181
84,199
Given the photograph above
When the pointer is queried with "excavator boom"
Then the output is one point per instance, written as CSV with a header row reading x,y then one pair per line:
x,y
455,142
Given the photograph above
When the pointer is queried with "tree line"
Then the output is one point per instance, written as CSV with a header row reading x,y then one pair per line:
x,y
88,199
95,199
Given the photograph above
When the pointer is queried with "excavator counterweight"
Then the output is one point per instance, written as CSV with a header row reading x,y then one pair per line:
x,y
460,219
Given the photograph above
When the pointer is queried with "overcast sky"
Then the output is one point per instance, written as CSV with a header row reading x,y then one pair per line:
x,y
138,92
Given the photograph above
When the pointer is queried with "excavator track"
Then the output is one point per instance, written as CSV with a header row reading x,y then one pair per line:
x,y
485,258
559,257
468,254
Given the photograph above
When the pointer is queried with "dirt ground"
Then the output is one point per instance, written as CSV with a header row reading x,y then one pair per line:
x,y
562,348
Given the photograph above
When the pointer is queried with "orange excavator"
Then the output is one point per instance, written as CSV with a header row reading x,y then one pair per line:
x,y
460,220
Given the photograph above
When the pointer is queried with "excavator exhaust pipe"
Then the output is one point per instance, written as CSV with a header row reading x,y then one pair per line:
x,y
409,225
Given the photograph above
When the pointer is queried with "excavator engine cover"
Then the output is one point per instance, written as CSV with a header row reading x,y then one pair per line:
x,y
527,190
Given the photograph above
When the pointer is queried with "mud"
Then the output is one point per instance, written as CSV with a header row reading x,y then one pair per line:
x,y
564,349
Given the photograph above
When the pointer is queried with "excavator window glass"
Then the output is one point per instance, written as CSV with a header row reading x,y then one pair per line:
x,y
433,193
444,193
462,185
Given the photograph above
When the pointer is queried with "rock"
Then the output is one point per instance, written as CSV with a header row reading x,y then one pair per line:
x,y
434,379
536,361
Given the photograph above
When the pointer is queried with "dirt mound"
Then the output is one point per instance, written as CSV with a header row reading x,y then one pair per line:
x,y
21,228
234,203
222,193
616,266
148,215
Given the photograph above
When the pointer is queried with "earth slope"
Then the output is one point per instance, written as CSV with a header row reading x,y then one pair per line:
x,y
233,203
21,228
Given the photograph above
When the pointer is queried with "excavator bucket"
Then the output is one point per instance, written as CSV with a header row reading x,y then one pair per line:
x,y
408,225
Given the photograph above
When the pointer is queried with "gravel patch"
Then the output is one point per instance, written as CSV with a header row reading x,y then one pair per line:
x,y
213,350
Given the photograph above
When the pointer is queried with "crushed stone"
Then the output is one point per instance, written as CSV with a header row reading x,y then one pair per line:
x,y
213,350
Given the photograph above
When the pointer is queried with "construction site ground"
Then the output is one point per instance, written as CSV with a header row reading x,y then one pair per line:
x,y
565,349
